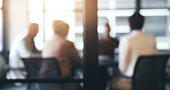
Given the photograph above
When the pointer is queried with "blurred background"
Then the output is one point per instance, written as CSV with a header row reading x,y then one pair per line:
x,y
15,16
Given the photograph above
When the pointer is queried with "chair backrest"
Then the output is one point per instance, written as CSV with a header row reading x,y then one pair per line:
x,y
41,67
149,73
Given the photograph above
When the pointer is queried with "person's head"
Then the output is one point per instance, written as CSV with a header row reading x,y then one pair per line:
x,y
136,21
60,28
107,28
33,30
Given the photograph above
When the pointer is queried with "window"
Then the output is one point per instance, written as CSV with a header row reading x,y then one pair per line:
x,y
44,12
154,3
116,12
157,22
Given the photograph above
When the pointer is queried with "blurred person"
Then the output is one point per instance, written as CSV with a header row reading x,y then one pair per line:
x,y
62,49
107,44
131,46
135,44
23,47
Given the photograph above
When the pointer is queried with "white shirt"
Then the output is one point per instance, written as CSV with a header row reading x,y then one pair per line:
x,y
23,47
131,47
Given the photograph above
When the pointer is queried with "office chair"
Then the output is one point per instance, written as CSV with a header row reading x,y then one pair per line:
x,y
149,73
42,68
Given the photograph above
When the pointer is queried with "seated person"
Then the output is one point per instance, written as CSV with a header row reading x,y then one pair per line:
x,y
107,44
62,49
23,47
135,44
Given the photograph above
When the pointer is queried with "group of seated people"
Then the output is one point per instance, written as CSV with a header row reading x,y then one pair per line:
x,y
57,47
130,47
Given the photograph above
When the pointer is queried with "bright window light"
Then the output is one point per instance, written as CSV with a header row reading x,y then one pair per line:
x,y
59,5
54,10
111,13
35,6
1,3
163,43
155,12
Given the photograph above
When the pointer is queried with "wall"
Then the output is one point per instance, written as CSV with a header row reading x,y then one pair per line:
x,y
16,20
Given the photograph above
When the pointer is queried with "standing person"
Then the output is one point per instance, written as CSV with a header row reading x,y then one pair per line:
x,y
135,44
23,47
107,44
62,49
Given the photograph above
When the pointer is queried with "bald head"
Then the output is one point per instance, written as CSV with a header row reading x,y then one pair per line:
x,y
33,30
60,28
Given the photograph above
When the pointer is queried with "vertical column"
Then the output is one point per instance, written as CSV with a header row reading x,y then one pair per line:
x,y
90,45
4,30
3,25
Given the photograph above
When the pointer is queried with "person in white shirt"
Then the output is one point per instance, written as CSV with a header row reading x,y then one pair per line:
x,y
135,44
23,47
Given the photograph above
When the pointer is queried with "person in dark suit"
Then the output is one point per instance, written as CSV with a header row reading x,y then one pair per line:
x,y
107,44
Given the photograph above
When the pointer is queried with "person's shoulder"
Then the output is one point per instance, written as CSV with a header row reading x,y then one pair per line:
x,y
149,36
69,42
115,38
49,42
23,38
127,36
66,44
18,40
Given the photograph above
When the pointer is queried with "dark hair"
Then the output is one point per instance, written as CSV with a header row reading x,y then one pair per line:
x,y
136,21
107,25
